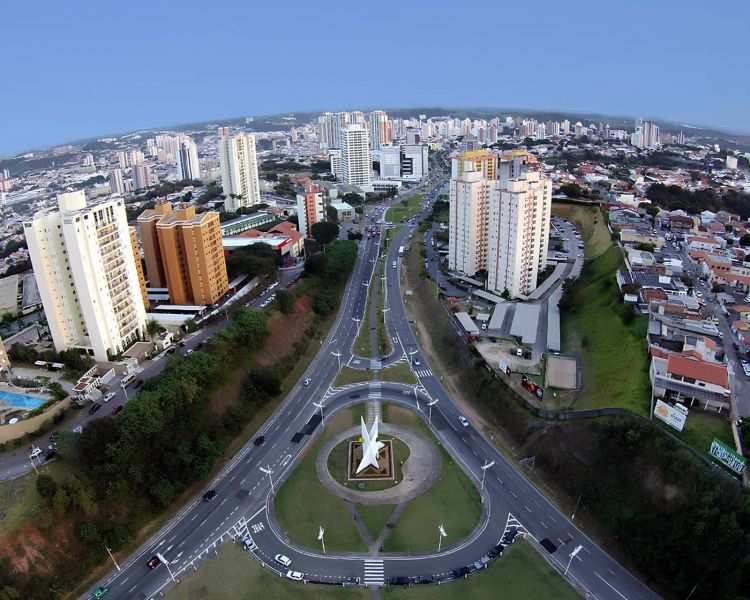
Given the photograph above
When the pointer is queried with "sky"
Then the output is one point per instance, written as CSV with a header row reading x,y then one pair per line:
x,y
79,69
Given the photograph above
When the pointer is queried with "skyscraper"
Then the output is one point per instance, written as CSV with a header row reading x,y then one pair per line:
x,y
188,166
116,182
377,123
141,177
239,171
499,220
86,274
184,253
646,134
357,159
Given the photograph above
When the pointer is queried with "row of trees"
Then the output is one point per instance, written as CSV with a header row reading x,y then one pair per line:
x,y
675,197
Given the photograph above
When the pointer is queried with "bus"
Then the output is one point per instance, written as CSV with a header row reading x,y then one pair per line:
x,y
127,380
401,251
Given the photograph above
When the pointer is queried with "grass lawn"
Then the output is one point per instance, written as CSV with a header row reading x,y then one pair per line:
x,y
348,375
19,498
362,343
375,517
235,575
384,342
300,518
400,373
405,209
519,573
338,464
701,428
613,353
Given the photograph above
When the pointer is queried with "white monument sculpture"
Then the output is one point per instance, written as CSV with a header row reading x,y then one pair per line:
x,y
370,447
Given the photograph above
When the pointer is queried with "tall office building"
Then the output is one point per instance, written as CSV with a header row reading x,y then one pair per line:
x,y
646,134
326,135
188,166
390,162
184,253
141,177
116,182
357,159
310,210
239,171
499,220
377,124
86,274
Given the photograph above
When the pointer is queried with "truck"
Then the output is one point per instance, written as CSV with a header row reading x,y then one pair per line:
x,y
394,264
401,251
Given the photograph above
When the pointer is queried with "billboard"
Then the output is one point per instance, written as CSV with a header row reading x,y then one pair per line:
x,y
504,368
674,416
728,457
532,387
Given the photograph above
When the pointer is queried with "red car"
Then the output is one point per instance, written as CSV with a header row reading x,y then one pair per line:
x,y
117,409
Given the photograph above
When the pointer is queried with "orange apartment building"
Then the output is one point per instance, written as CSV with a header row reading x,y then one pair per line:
x,y
183,252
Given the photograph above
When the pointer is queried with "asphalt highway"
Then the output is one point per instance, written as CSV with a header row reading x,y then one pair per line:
x,y
246,485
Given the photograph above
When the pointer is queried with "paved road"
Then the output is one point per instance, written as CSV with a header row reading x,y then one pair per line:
x,y
243,491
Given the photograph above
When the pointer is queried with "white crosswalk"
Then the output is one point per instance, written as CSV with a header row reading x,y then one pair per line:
x,y
424,373
374,572
375,364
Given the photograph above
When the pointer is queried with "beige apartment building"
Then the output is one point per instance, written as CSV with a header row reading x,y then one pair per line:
x,y
183,252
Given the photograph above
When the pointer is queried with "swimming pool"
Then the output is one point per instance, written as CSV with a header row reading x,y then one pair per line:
x,y
21,401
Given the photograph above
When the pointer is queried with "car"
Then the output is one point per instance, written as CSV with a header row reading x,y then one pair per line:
x,y
117,409
307,381
484,326
171,350
54,435
417,362
94,407
189,351
78,429
463,420
109,397
283,560
199,346
153,562
249,543
138,384
699,294
100,592
209,495
295,575
181,343
50,454
259,441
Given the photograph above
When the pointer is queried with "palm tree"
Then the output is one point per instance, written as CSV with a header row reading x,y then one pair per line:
x,y
152,329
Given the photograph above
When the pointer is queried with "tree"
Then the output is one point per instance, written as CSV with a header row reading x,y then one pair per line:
x,y
285,299
249,327
152,329
46,486
324,232
745,240
505,295
332,213
314,265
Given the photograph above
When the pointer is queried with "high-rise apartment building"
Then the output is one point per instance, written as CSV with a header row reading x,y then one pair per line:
x,y
357,159
337,166
116,182
86,274
183,252
188,166
326,135
310,210
377,124
239,171
139,266
141,177
499,219
123,160
646,134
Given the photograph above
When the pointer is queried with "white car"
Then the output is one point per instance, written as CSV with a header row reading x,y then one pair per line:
x,y
295,575
108,397
283,560
464,421
307,381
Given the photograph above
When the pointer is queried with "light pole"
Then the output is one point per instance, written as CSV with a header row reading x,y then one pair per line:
x,y
321,531
484,468
572,556
575,510
165,562
411,357
320,406
267,470
338,355
113,558
416,397
442,534
430,405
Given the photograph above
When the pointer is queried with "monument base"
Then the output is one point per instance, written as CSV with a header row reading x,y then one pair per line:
x,y
385,468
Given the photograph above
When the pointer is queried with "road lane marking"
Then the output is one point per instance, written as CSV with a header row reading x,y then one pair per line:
x,y
610,585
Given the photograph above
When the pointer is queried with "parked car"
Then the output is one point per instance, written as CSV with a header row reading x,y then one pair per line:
x,y
94,407
249,543
295,575
117,409
109,397
283,560
138,384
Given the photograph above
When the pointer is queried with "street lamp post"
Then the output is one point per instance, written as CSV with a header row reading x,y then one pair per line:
x,y
572,556
575,510
411,357
338,355
416,397
320,406
113,558
165,562
430,405
484,468
267,470
321,531
442,534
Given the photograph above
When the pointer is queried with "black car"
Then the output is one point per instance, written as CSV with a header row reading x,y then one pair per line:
x,y
153,562
398,581
181,344
171,350
209,495
54,435
50,454
94,407
259,440
138,384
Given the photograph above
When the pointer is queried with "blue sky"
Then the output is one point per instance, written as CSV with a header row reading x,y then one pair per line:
x,y
79,69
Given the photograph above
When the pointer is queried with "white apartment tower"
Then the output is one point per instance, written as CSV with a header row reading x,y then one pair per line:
x,y
377,123
116,182
188,166
499,220
239,171
356,157
85,269
141,175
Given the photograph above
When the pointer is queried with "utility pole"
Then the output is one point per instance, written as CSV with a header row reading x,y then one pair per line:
x,y
575,510
165,562
416,397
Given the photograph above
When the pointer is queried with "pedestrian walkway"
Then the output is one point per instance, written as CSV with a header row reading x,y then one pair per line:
x,y
374,573
424,373
372,412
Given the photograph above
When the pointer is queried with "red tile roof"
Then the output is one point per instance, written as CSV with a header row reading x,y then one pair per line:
x,y
698,369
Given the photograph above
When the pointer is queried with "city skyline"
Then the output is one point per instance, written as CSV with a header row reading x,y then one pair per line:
x,y
587,73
